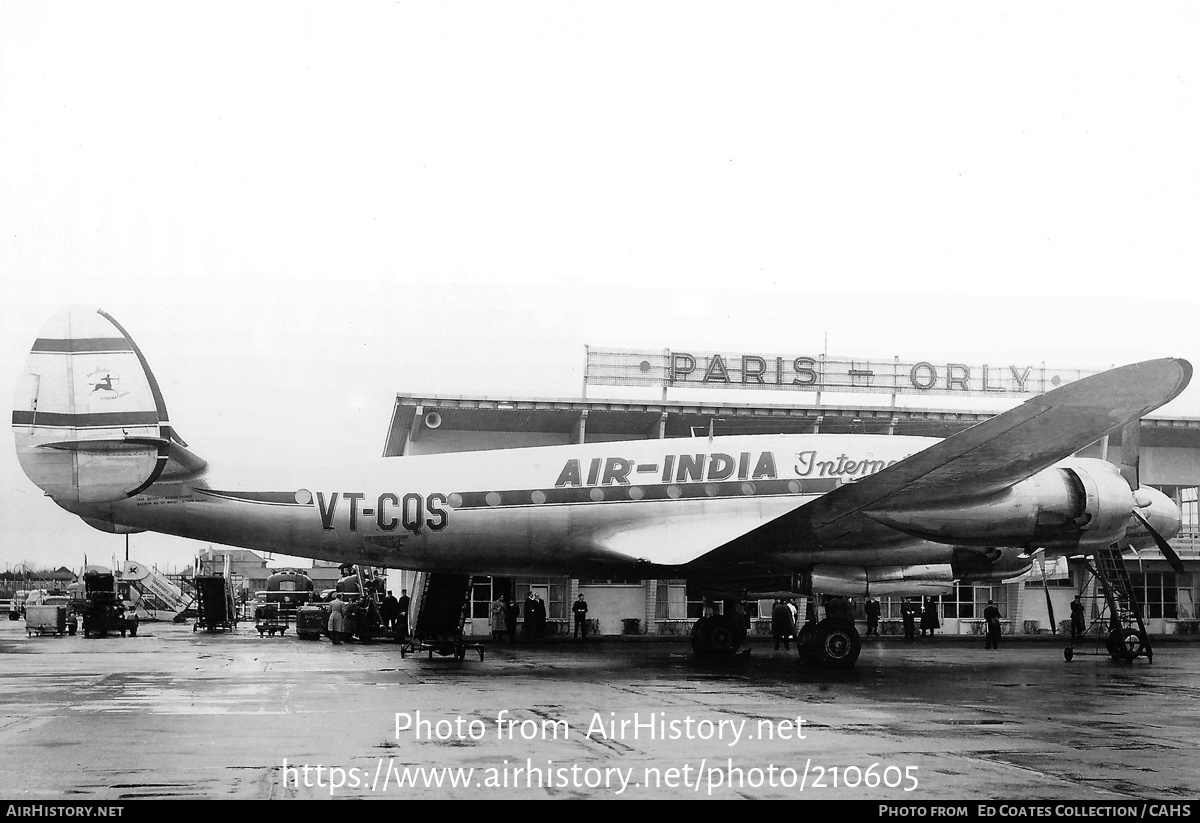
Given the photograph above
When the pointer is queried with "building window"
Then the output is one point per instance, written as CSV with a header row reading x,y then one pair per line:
x,y
1053,583
968,601
1164,594
555,591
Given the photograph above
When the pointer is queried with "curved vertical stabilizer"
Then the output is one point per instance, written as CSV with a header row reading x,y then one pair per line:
x,y
89,420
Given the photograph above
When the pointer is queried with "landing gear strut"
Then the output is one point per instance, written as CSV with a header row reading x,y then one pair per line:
x,y
829,643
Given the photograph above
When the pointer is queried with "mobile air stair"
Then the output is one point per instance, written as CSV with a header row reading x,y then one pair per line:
x,y
440,602
1117,626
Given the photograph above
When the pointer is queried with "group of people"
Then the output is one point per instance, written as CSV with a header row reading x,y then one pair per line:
x,y
347,617
504,614
926,608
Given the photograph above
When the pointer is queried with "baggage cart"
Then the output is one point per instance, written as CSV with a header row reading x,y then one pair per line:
x,y
41,620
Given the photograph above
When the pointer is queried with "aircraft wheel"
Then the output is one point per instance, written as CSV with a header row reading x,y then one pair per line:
x,y
1068,653
702,635
133,627
723,636
838,644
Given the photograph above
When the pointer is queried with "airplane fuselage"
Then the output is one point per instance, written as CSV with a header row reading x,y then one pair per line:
x,y
534,510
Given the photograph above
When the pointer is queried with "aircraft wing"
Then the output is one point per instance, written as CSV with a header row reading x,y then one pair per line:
x,y
984,459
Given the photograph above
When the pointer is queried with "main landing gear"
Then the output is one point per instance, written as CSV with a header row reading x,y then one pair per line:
x,y
833,643
716,635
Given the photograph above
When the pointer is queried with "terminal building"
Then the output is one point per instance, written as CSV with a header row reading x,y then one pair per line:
x,y
1038,602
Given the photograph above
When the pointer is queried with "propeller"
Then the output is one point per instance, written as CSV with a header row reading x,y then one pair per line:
x,y
1163,546
1046,589
1130,470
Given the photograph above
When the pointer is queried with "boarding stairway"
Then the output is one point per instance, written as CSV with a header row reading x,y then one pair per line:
x,y
1120,621
157,597
441,603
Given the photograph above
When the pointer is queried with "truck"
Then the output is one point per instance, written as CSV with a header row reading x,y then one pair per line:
x,y
103,611
289,589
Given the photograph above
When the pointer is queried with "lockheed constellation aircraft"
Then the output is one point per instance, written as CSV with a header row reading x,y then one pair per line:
x,y
832,514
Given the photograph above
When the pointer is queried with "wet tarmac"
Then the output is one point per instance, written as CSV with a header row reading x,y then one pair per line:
x,y
176,714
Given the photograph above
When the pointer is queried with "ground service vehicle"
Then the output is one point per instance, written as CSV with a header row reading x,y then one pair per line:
x,y
103,612
289,588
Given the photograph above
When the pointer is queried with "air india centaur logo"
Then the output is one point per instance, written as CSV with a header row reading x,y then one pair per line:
x,y
106,385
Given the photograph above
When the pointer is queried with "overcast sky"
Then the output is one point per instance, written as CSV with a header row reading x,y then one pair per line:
x,y
299,210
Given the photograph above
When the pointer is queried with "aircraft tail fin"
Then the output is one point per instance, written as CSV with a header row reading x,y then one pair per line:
x,y
89,420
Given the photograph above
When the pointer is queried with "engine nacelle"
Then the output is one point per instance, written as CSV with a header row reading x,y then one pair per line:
x,y
990,565
851,581
1079,505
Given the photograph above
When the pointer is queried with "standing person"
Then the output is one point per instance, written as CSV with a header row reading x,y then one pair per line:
x,y
741,620
991,617
497,615
511,612
580,610
530,613
908,611
337,620
387,611
872,609
539,617
782,626
929,618
1078,626
402,614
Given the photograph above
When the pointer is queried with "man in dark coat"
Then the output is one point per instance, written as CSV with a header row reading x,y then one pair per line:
x,y
872,609
782,627
908,611
580,610
1078,624
511,612
991,618
929,618
529,629
388,610
539,617
402,614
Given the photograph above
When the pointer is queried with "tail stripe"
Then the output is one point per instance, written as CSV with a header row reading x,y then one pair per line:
x,y
103,420
89,345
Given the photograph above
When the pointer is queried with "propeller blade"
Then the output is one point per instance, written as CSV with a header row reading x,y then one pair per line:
x,y
1163,546
1046,589
1131,454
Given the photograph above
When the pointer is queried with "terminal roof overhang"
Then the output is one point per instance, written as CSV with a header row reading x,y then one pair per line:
x,y
611,419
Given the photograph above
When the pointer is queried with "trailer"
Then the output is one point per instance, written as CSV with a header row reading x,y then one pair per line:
x,y
49,619
269,619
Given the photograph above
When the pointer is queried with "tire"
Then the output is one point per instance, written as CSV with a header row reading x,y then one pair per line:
x,y
1135,644
133,627
837,644
723,636
1068,653
1125,644
702,636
